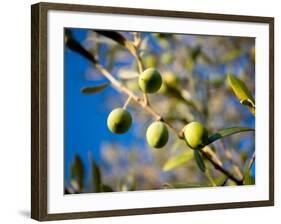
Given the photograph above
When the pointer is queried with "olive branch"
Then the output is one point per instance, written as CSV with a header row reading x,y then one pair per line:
x,y
143,102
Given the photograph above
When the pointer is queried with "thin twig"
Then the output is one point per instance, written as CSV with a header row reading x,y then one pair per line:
x,y
137,39
222,169
224,182
145,99
251,162
127,102
178,133
140,66
229,155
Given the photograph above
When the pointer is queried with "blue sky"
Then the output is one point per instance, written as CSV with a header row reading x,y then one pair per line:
x,y
85,116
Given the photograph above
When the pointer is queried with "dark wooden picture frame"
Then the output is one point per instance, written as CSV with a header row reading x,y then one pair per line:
x,y
39,105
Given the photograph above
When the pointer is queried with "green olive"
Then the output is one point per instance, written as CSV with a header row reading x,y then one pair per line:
x,y
119,121
167,58
195,134
150,81
150,61
157,135
170,81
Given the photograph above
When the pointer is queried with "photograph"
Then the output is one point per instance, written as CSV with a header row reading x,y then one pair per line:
x,y
150,111
141,111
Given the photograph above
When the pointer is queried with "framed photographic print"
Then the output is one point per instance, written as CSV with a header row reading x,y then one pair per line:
x,y
138,111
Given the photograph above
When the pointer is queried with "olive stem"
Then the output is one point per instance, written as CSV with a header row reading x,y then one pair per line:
x,y
251,162
229,155
140,67
127,102
137,39
221,168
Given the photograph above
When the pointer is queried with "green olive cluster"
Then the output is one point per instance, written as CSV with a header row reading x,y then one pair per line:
x,y
119,120
157,135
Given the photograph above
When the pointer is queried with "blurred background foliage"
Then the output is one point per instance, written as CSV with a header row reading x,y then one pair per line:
x,y
196,87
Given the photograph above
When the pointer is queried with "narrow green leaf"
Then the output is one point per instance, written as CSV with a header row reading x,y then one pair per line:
x,y
207,58
106,188
241,91
189,64
178,160
199,161
75,186
248,179
69,190
181,95
74,45
96,176
119,38
221,181
210,178
226,132
150,60
231,55
176,145
195,52
132,187
77,172
183,185
94,89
